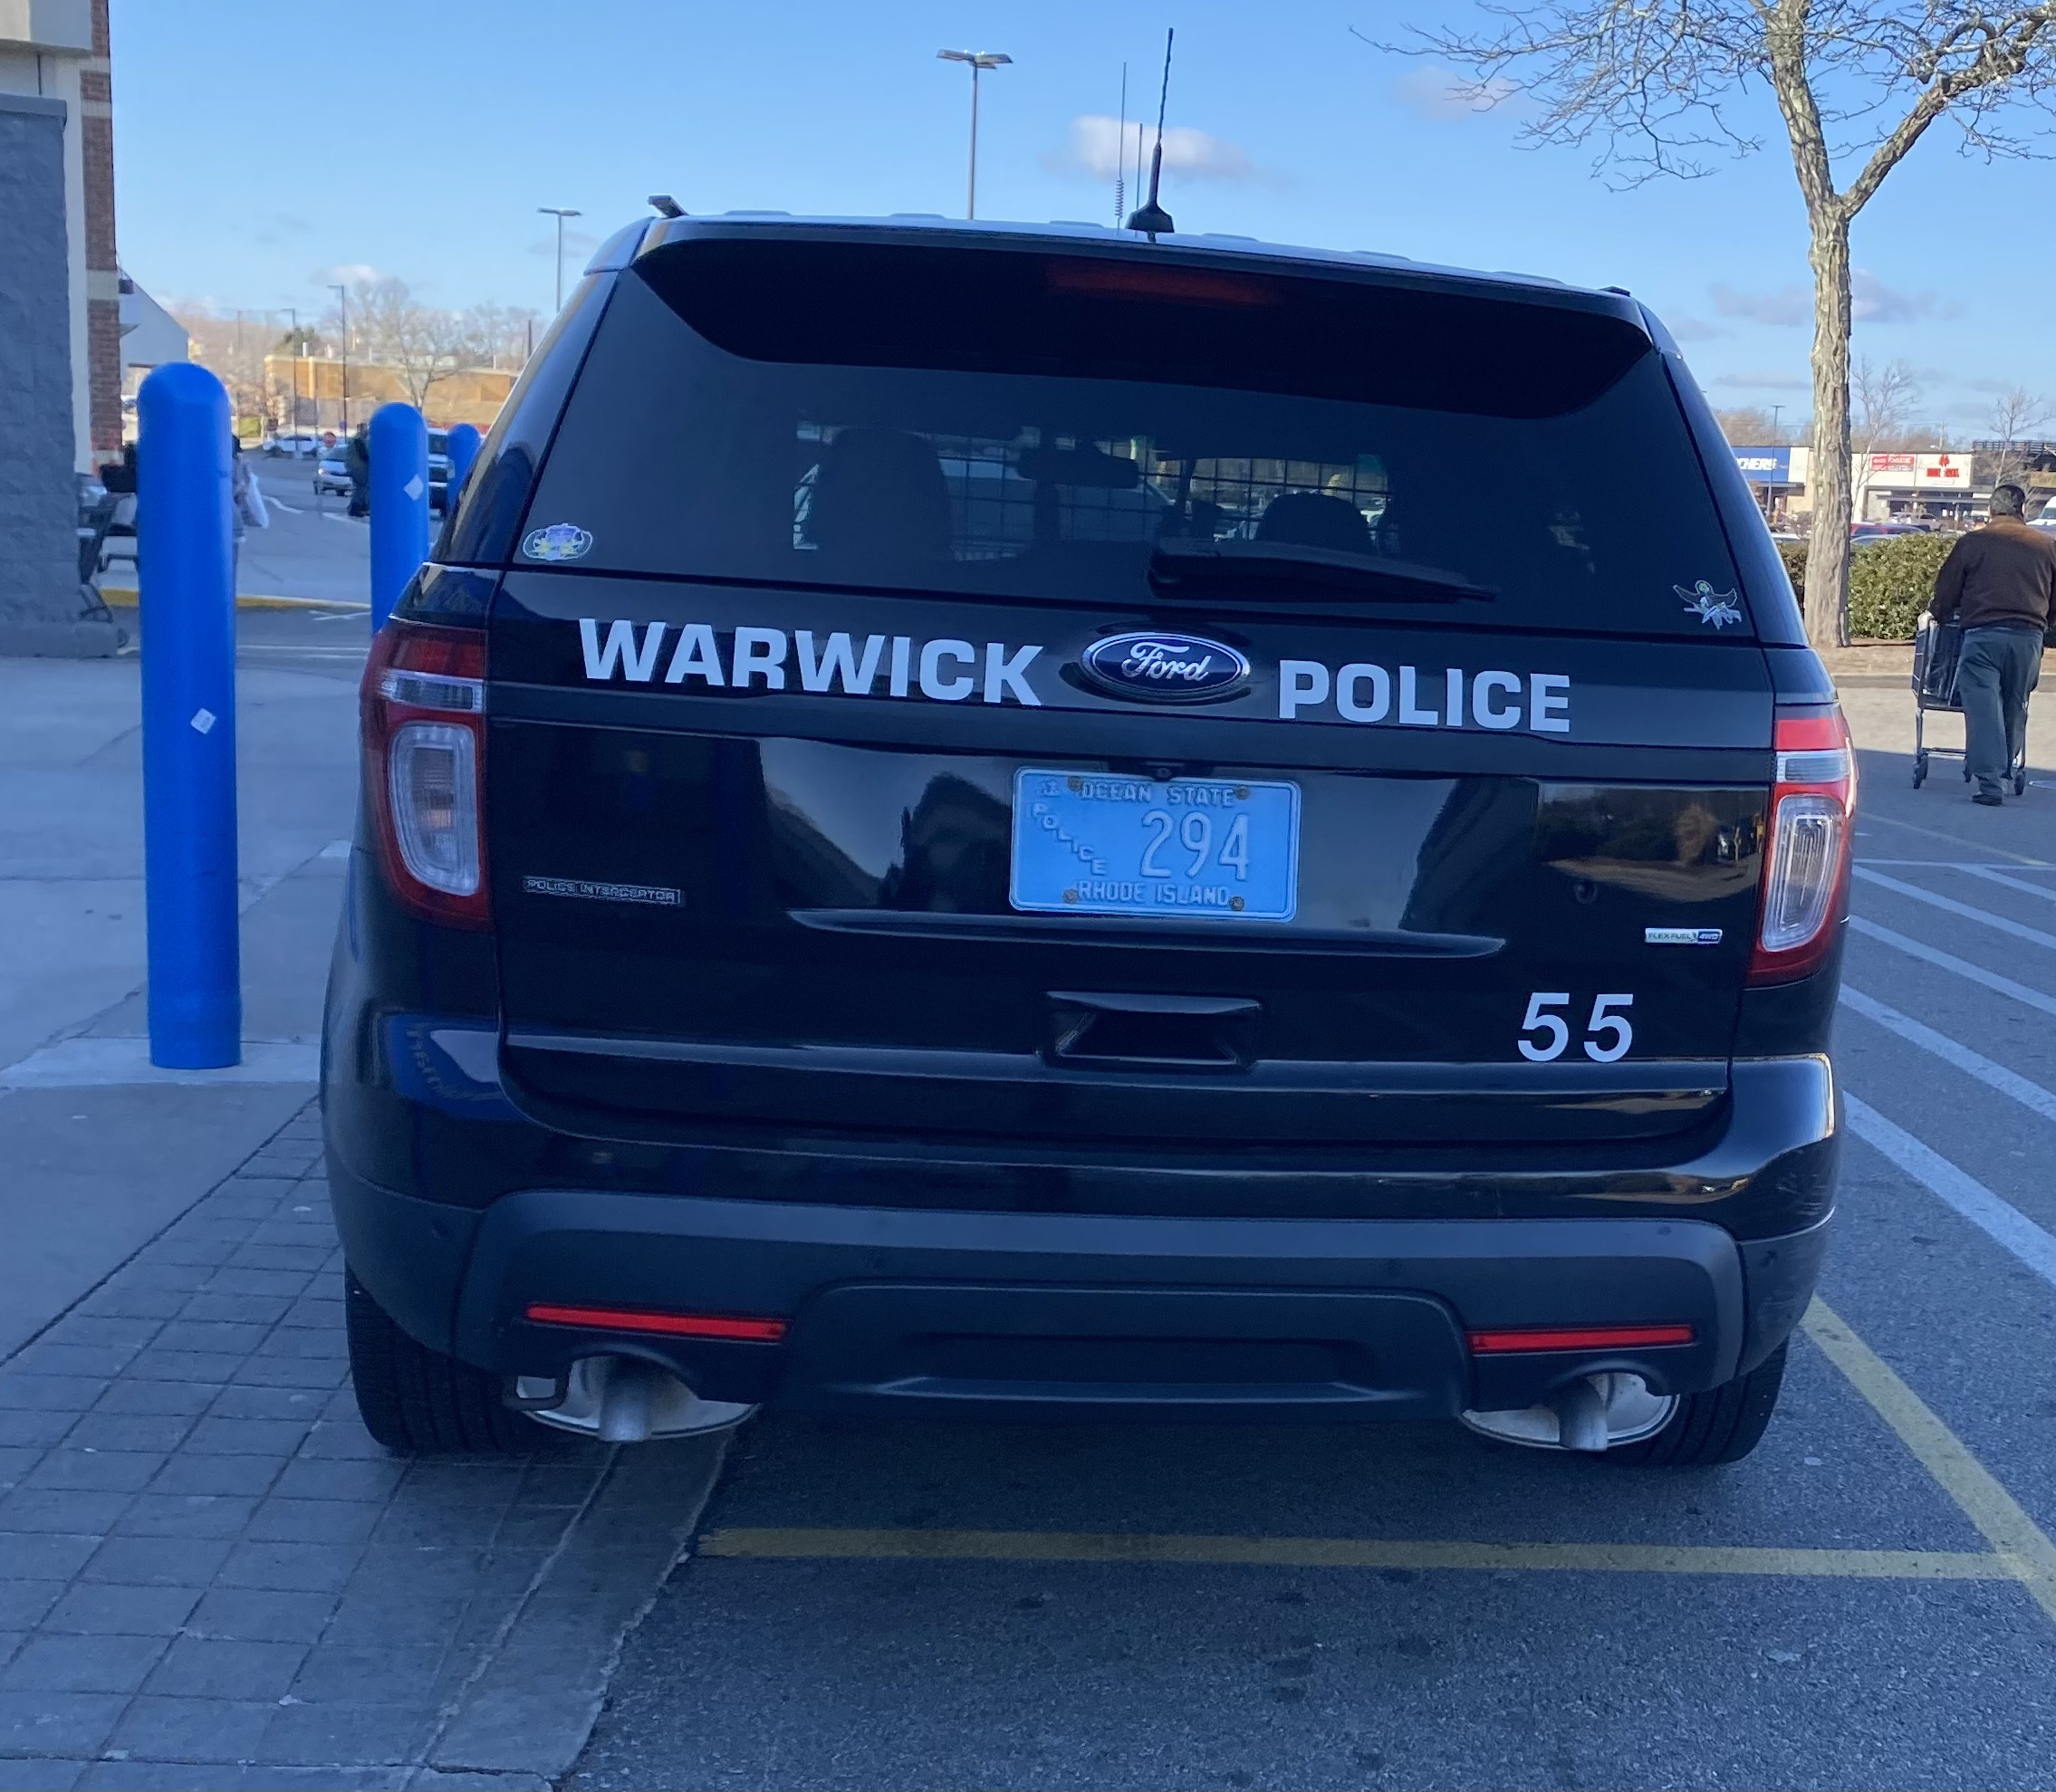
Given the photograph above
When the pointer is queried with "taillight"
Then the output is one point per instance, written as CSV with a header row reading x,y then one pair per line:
x,y
423,714
1806,857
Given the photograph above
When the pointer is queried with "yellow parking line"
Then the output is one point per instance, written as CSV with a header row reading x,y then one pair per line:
x,y
127,594
2020,1551
2021,1544
1344,1552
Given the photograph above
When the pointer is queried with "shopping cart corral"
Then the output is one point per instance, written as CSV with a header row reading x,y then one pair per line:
x,y
1937,653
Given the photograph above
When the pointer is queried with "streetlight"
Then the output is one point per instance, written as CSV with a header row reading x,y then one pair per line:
x,y
979,60
560,212
342,311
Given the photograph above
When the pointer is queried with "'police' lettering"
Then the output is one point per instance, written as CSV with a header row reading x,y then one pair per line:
x,y
1407,694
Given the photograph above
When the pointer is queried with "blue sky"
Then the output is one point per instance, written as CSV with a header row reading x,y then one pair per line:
x,y
261,144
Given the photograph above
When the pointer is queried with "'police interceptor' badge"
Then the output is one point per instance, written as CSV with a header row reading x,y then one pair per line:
x,y
560,541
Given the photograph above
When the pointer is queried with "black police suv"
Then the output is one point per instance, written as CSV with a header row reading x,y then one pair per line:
x,y
1028,822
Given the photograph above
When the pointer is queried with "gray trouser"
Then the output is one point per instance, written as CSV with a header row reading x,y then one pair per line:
x,y
1998,669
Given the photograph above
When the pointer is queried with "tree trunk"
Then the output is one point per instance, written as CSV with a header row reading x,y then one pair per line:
x,y
1828,478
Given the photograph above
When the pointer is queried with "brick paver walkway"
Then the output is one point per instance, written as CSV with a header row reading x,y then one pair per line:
x,y
211,1577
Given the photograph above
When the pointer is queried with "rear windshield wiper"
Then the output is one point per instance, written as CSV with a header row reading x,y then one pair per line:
x,y
1175,563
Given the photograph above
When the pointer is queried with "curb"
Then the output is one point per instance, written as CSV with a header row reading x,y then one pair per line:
x,y
128,595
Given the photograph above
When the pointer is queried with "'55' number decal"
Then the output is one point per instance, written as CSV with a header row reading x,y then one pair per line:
x,y
1608,1035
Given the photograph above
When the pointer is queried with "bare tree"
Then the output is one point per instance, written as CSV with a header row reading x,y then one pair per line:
x,y
1884,399
232,347
503,334
2016,415
1753,426
1656,86
420,343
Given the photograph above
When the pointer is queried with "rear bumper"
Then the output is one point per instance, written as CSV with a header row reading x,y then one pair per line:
x,y
1041,1314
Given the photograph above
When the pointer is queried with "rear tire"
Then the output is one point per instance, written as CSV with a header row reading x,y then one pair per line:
x,y
1723,1424
420,1402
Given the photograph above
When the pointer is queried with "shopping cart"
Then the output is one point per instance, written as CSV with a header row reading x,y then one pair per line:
x,y
1937,649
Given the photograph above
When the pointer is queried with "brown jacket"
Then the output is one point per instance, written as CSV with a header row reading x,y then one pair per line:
x,y
1999,576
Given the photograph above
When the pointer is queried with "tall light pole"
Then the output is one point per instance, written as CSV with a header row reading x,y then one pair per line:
x,y
560,212
342,311
978,61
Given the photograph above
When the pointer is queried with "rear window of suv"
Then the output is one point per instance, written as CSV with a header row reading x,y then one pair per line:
x,y
1102,429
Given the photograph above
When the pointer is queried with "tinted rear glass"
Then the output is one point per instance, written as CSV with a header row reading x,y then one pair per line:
x,y
1023,425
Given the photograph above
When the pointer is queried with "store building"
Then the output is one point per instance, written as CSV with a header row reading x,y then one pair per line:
x,y
1777,476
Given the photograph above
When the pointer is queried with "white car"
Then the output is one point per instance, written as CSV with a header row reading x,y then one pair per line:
x,y
293,444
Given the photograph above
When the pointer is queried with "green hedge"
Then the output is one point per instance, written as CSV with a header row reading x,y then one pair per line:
x,y
1889,581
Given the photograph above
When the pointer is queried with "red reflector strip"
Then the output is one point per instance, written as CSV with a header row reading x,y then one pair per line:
x,y
1578,1337
672,1324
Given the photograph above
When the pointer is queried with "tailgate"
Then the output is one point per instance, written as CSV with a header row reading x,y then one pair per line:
x,y
795,859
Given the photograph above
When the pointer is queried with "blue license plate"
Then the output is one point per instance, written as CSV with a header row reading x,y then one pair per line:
x,y
1096,843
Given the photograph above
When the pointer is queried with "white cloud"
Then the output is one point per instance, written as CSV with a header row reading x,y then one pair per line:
x,y
1687,328
346,274
1096,149
1787,305
1873,302
1441,93
578,245
273,229
1764,382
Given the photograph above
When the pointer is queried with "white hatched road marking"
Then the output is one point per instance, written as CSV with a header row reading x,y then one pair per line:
x,y
1984,917
1998,1220
1992,875
2028,1094
1870,819
1963,967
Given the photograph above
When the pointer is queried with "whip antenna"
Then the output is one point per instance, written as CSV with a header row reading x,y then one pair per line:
x,y
1120,151
1150,217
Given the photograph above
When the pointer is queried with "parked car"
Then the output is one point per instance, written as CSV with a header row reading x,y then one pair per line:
x,y
1218,952
293,444
330,473
438,470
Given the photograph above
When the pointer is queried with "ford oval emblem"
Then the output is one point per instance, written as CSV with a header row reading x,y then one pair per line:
x,y
1165,669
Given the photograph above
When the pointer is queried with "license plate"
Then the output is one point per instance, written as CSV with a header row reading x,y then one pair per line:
x,y
1096,843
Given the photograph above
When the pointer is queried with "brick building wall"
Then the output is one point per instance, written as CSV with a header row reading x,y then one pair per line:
x,y
40,604
104,278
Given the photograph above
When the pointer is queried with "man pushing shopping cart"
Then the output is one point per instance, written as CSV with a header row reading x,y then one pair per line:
x,y
1996,583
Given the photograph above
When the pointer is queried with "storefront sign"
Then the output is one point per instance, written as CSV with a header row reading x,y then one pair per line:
x,y
1765,466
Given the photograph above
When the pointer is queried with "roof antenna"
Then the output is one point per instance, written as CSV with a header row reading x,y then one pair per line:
x,y
1149,217
665,206
1120,151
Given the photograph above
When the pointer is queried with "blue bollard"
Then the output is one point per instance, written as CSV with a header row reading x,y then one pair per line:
x,y
399,504
463,450
185,570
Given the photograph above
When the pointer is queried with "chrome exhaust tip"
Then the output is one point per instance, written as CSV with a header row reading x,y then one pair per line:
x,y
1595,1412
622,1400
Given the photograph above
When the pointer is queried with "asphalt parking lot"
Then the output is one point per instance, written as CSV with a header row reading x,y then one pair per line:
x,y
211,1577
1869,1600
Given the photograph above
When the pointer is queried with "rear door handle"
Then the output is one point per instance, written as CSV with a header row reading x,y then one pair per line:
x,y
1141,1029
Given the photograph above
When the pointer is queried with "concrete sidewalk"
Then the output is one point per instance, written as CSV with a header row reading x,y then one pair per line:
x,y
102,1153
